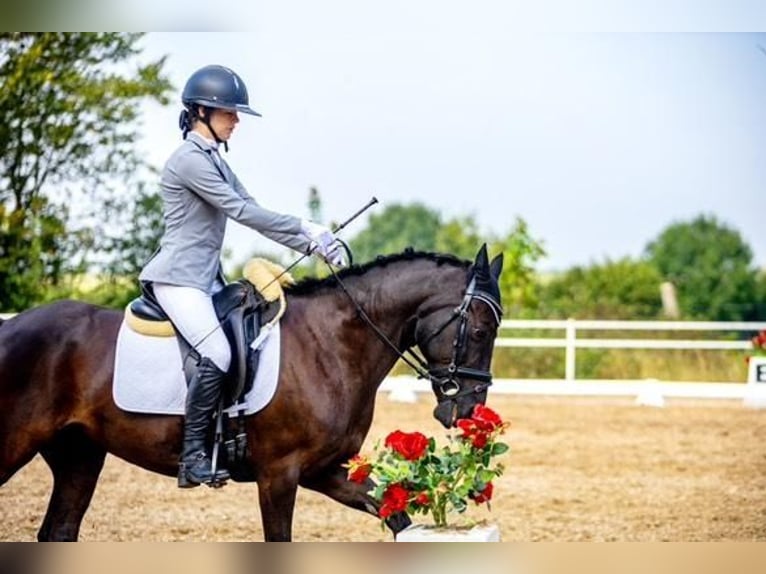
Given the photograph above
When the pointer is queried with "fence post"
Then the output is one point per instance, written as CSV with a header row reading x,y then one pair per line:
x,y
570,357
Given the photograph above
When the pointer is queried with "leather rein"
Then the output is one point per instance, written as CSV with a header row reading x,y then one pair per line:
x,y
446,381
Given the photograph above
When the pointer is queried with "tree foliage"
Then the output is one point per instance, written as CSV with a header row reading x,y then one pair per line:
x,y
622,289
519,283
68,121
396,227
711,267
416,225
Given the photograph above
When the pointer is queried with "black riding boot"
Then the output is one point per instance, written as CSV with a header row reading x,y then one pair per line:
x,y
202,397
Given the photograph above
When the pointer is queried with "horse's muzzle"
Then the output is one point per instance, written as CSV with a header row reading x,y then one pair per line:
x,y
446,413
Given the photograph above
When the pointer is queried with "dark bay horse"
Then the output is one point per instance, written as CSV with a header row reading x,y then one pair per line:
x,y
56,367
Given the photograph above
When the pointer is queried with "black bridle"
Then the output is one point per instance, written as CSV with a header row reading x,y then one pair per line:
x,y
447,382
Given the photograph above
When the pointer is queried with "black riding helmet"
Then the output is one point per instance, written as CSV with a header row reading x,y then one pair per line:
x,y
217,87
213,87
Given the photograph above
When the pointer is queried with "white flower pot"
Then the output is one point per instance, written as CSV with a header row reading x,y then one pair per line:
x,y
421,533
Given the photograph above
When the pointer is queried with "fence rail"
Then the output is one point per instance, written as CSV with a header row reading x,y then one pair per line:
x,y
570,342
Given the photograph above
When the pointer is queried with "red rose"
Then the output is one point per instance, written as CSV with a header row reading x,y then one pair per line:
x,y
486,418
484,495
422,499
479,440
471,431
359,468
394,500
468,426
411,446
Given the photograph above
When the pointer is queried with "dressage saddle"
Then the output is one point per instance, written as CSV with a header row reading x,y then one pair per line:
x,y
240,311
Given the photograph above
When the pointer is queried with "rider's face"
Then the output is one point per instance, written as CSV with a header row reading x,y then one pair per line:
x,y
223,122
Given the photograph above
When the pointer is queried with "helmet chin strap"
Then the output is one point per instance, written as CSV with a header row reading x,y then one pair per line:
x,y
206,120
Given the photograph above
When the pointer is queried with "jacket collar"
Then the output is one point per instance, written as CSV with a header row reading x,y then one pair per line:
x,y
203,142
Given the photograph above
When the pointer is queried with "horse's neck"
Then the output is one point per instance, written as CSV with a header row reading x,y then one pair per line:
x,y
392,298
397,295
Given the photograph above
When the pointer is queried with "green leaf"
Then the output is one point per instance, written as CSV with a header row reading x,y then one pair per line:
x,y
68,127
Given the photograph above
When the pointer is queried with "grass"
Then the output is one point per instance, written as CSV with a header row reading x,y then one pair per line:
x,y
663,365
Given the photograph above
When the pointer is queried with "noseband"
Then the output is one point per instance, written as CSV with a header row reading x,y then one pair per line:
x,y
447,382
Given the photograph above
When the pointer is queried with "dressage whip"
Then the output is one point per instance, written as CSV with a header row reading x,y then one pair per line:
x,y
219,417
340,227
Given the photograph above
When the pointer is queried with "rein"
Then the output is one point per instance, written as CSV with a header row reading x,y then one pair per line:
x,y
445,380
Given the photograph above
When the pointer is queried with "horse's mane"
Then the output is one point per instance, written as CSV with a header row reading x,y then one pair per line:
x,y
312,284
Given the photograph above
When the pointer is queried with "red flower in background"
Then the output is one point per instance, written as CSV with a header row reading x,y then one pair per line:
x,y
394,500
411,446
759,343
759,346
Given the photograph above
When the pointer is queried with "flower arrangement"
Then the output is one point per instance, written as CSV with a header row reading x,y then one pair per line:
x,y
759,345
414,475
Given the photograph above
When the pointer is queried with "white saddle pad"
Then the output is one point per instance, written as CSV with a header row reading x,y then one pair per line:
x,y
149,377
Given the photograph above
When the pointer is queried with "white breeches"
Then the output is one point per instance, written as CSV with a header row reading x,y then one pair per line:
x,y
191,311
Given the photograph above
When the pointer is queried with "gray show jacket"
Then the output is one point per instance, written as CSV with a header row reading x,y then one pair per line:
x,y
198,198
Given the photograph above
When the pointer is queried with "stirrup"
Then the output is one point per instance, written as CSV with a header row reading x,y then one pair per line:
x,y
216,480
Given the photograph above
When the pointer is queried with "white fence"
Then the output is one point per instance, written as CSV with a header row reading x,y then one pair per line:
x,y
571,343
569,385
567,339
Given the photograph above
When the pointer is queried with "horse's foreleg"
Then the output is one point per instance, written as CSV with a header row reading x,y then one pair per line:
x,y
334,484
277,488
76,463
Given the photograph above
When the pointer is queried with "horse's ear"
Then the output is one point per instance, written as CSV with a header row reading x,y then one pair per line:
x,y
481,265
496,266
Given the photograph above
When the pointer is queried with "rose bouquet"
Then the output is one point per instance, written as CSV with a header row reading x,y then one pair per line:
x,y
414,475
759,345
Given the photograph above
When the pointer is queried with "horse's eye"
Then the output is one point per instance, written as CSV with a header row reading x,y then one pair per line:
x,y
478,334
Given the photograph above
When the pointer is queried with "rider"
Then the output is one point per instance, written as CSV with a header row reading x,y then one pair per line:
x,y
199,194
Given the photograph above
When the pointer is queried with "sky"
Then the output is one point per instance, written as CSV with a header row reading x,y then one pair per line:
x,y
598,138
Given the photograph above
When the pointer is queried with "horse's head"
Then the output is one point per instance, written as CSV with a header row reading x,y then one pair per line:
x,y
457,340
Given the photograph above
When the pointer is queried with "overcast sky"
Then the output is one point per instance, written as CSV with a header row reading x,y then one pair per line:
x,y
598,140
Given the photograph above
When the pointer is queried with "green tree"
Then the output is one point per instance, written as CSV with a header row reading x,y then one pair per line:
x,y
396,227
68,122
711,266
459,236
622,289
136,226
518,282
760,297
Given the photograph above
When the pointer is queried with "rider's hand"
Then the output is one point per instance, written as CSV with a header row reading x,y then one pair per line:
x,y
337,255
323,243
318,234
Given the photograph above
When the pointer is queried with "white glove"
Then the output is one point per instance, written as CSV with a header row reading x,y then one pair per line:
x,y
336,256
320,235
323,243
